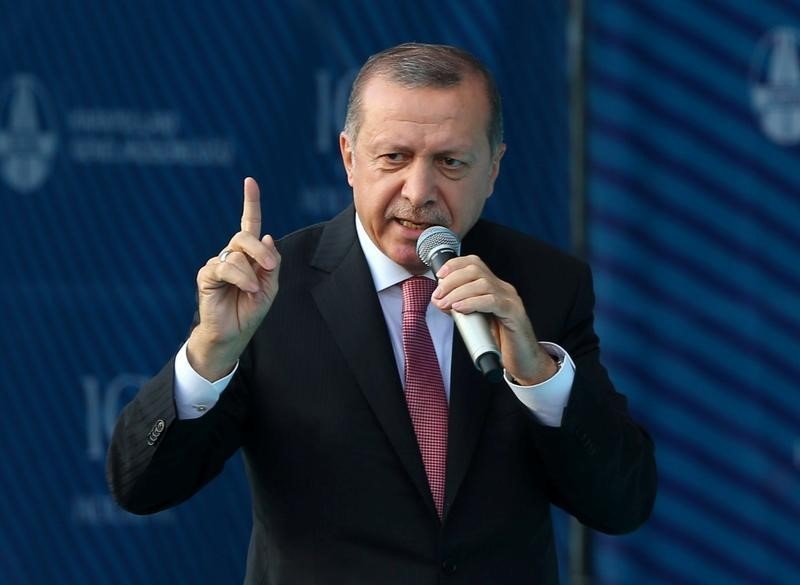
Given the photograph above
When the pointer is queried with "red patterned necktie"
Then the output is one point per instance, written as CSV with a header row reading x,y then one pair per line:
x,y
425,395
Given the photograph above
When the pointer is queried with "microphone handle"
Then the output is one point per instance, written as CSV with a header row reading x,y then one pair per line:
x,y
475,331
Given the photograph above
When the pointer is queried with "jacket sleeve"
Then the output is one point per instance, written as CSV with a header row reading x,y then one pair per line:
x,y
156,460
600,463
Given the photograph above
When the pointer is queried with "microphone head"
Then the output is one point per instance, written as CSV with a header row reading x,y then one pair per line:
x,y
436,239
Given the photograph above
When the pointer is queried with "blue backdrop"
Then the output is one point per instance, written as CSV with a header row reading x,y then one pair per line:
x,y
126,129
694,216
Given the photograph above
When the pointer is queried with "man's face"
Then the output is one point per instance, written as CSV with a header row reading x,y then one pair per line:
x,y
421,158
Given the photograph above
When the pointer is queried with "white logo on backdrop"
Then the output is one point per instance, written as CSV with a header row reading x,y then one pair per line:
x,y
775,85
103,401
332,91
27,134
99,136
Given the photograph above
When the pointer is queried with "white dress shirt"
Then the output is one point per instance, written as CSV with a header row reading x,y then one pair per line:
x,y
194,395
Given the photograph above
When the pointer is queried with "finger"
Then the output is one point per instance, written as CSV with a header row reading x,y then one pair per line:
x,y
260,251
465,290
462,276
216,274
242,263
274,257
474,297
251,214
236,270
481,304
508,309
458,263
474,289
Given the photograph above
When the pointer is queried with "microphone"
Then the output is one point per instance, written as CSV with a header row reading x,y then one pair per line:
x,y
435,246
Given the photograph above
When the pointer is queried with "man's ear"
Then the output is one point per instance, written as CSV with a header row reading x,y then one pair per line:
x,y
346,147
494,169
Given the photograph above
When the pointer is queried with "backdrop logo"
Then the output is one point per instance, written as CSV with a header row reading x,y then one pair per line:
x,y
27,134
775,85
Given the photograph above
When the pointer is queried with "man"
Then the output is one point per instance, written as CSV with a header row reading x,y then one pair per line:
x,y
362,470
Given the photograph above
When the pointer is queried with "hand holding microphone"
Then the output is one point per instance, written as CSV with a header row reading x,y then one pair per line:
x,y
482,304
435,246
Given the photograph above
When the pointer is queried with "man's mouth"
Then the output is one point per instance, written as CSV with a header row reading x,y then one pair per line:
x,y
412,225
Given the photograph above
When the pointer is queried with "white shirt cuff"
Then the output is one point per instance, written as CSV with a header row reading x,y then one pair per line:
x,y
194,395
548,399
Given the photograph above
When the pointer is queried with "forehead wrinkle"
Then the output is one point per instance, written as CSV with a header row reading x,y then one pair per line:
x,y
422,121
441,142
387,113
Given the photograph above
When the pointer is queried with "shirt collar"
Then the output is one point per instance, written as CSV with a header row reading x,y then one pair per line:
x,y
385,271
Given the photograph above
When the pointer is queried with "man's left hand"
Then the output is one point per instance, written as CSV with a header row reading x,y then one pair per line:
x,y
467,285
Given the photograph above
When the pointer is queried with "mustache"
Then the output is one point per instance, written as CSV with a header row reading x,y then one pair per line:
x,y
428,214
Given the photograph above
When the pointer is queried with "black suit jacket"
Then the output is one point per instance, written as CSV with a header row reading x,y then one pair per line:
x,y
339,490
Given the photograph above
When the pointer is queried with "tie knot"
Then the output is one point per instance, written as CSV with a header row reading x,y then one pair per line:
x,y
417,292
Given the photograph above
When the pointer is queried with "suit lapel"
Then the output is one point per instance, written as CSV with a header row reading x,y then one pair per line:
x,y
469,400
470,396
347,300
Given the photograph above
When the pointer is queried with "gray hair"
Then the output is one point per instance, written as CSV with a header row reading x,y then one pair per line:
x,y
413,65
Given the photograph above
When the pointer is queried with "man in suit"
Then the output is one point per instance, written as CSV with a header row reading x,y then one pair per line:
x,y
301,357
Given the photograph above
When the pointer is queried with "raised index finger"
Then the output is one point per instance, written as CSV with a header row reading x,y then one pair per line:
x,y
251,215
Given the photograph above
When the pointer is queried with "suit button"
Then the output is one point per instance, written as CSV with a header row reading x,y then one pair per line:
x,y
448,567
156,431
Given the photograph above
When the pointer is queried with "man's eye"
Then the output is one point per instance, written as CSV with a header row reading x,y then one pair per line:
x,y
395,157
452,163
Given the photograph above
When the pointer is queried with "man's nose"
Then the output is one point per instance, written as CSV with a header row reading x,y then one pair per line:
x,y
419,186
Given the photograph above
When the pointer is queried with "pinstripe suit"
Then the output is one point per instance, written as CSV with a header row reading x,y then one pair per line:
x,y
339,489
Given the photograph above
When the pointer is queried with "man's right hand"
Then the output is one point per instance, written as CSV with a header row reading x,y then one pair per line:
x,y
235,291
